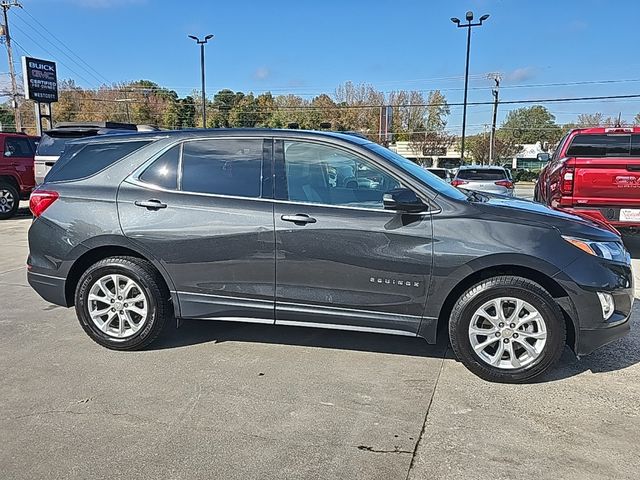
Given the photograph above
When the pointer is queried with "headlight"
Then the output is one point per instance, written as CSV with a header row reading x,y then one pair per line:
x,y
608,250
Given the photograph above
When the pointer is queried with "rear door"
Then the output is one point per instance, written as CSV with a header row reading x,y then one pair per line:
x,y
343,261
203,209
607,170
18,154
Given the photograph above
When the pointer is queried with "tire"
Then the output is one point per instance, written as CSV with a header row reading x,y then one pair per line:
x,y
9,200
545,334
123,325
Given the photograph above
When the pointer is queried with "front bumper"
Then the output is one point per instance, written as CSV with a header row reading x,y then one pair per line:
x,y
582,279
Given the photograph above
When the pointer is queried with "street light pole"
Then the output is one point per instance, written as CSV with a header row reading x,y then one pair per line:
x,y
204,96
468,26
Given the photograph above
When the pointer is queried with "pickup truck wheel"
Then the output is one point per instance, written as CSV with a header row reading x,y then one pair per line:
x,y
507,329
9,200
121,303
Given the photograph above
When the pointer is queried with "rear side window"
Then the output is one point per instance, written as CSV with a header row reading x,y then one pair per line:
x,y
163,172
82,161
489,174
17,147
599,146
223,167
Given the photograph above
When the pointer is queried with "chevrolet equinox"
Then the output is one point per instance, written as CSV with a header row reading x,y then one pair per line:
x,y
317,229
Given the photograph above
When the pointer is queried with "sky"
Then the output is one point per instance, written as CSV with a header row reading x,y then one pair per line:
x,y
543,49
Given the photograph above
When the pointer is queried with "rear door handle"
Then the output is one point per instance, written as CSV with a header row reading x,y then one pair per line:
x,y
152,204
299,219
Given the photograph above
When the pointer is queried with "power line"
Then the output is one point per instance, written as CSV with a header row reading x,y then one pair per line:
x,y
67,48
35,42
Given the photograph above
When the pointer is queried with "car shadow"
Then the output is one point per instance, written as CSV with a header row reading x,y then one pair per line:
x,y
193,332
619,355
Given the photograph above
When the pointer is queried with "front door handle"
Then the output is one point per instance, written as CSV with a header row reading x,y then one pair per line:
x,y
299,219
152,204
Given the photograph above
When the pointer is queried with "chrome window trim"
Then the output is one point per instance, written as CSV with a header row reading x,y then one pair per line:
x,y
140,183
134,179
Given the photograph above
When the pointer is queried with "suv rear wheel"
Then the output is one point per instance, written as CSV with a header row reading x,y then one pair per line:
x,y
507,329
9,200
121,303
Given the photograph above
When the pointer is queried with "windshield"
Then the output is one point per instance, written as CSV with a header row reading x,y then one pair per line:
x,y
481,174
419,173
54,145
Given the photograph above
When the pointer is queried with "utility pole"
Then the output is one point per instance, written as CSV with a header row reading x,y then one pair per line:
x,y
492,140
6,5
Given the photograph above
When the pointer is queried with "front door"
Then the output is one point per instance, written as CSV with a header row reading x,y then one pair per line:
x,y
204,211
342,260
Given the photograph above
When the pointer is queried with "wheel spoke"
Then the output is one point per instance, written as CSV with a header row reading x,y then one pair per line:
x,y
481,346
528,347
534,335
495,359
482,331
515,363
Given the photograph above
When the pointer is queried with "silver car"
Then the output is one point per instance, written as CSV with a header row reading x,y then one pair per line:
x,y
489,179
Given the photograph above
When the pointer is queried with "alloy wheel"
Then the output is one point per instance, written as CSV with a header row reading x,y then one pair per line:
x,y
507,333
118,306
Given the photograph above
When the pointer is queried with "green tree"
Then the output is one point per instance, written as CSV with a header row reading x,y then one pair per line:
x,y
530,125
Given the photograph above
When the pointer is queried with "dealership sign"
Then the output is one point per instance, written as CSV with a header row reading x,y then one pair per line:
x,y
40,80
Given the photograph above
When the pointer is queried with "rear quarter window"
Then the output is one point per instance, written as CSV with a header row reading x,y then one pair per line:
x,y
81,161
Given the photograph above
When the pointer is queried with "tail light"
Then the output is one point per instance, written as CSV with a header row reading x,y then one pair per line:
x,y
505,183
457,183
566,181
40,200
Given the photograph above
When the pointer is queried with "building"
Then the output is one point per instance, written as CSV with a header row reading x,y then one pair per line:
x,y
449,158
527,157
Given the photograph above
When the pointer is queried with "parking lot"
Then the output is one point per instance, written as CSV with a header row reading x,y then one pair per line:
x,y
220,400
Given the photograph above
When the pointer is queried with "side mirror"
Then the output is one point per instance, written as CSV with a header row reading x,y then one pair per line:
x,y
543,157
404,200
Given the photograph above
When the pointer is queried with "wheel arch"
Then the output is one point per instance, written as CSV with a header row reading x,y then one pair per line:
x,y
11,179
98,251
545,280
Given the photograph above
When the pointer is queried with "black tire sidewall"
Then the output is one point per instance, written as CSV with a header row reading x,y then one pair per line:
x,y
16,203
550,313
82,292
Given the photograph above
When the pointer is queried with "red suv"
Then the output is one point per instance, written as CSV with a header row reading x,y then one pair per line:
x,y
595,172
16,171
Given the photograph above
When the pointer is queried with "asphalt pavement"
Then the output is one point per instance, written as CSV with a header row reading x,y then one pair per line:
x,y
241,401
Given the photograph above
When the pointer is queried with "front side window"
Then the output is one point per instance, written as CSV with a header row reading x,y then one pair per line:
x,y
600,146
331,176
223,166
163,172
17,147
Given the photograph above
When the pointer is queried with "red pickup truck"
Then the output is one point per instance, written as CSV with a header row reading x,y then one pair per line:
x,y
16,171
595,172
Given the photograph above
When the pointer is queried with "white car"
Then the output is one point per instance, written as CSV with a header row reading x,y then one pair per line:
x,y
488,179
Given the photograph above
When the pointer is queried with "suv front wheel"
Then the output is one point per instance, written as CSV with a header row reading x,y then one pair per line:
x,y
507,329
121,303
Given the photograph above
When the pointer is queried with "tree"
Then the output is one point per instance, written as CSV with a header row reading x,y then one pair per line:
x,y
597,120
428,135
478,148
529,125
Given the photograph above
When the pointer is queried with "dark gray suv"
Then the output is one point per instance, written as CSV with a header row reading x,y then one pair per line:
x,y
289,227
